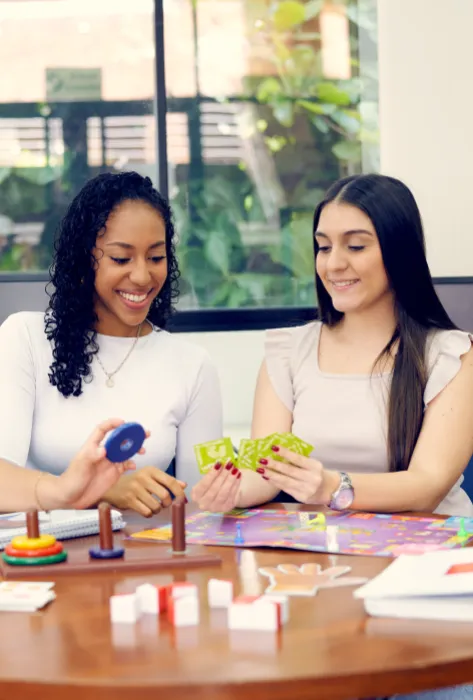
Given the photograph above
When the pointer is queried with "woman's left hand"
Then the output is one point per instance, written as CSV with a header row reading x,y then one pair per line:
x,y
303,478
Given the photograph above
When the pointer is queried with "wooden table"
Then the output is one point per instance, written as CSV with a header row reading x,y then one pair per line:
x,y
329,649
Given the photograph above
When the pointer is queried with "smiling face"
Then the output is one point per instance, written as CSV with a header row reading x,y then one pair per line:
x,y
349,260
131,267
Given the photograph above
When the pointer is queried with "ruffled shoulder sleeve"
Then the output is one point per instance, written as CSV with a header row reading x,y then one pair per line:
x,y
444,352
284,350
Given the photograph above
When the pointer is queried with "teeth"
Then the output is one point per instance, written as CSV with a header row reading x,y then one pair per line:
x,y
133,297
343,284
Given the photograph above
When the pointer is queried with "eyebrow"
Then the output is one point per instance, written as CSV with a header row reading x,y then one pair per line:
x,y
128,246
352,232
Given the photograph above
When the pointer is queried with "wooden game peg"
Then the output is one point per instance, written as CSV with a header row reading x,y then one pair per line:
x,y
32,524
105,527
178,520
106,550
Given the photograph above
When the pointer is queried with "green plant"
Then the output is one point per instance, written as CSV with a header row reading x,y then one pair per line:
x,y
313,133
298,86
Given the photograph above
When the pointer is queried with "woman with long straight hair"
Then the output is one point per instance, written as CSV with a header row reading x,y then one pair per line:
x,y
381,385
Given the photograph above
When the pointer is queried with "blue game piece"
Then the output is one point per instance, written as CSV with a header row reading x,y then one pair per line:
x,y
239,538
124,442
115,553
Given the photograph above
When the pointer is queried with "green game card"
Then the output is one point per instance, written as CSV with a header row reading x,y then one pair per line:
x,y
208,453
247,454
297,445
251,451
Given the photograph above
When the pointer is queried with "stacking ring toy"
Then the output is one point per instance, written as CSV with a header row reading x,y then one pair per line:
x,y
35,561
27,553
124,442
25,542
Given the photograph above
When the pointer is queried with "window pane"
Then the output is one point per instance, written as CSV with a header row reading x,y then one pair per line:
x,y
268,104
78,100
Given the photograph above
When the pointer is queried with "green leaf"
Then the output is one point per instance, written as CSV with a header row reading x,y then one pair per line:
x,y
221,294
248,202
261,125
312,8
275,143
267,89
303,58
284,113
347,150
289,14
317,107
320,124
328,92
238,297
217,251
348,122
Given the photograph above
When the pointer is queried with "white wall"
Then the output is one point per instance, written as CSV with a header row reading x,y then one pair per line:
x,y
238,357
426,105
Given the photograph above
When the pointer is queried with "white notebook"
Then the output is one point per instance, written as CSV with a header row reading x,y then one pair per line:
x,y
433,586
63,524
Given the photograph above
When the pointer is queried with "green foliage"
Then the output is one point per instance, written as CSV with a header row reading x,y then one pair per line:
x,y
220,264
23,197
299,86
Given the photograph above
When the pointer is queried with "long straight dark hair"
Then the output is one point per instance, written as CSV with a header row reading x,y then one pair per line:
x,y
393,211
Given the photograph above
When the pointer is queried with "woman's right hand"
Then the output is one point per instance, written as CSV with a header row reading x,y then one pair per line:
x,y
218,490
88,476
145,491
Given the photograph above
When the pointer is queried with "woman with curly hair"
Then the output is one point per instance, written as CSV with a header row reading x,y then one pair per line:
x,y
100,350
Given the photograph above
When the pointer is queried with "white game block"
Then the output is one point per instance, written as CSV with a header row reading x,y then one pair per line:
x,y
332,538
248,613
184,611
183,589
219,593
148,596
124,608
283,600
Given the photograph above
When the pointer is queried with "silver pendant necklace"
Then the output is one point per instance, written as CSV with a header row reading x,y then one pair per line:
x,y
110,382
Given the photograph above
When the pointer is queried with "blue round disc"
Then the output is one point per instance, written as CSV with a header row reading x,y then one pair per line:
x,y
124,442
115,553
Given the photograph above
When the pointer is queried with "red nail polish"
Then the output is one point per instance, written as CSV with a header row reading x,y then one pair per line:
x,y
266,478
229,465
263,461
234,471
260,471
217,466
185,500
275,448
239,475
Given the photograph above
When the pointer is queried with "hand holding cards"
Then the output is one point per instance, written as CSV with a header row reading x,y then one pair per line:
x,y
250,451
283,460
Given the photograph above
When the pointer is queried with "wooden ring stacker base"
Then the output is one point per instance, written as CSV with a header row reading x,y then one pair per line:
x,y
35,561
45,552
25,542
106,550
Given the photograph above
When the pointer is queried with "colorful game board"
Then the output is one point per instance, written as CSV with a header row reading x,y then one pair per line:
x,y
344,533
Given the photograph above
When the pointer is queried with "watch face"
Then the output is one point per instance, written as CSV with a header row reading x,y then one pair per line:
x,y
344,499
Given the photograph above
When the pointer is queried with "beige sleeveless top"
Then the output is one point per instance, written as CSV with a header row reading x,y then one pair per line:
x,y
345,416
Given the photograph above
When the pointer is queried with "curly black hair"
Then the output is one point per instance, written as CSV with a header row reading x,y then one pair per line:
x,y
70,318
